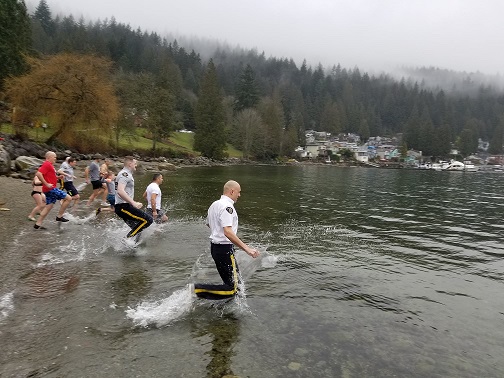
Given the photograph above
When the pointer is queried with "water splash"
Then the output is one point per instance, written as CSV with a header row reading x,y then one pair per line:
x,y
6,305
166,311
163,312
75,219
269,261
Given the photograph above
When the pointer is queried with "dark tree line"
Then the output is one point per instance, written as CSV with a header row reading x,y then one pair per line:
x,y
15,38
266,104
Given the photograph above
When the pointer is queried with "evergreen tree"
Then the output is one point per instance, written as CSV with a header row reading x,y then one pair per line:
x,y
246,90
364,129
497,141
466,142
426,134
442,141
330,120
150,102
248,128
210,119
43,15
15,38
273,127
412,135
468,138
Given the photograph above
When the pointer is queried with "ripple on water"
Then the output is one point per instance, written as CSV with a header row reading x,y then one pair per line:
x,y
49,281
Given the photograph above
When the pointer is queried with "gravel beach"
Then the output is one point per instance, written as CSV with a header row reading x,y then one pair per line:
x,y
16,195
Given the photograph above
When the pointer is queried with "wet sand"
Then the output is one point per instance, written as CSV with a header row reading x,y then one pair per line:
x,y
16,195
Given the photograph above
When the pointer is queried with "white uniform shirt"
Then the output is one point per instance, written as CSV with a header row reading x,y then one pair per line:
x,y
125,176
222,214
153,188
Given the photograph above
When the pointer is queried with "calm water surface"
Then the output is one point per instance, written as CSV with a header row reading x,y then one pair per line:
x,y
363,273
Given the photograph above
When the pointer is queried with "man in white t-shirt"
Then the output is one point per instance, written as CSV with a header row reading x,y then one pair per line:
x,y
153,197
223,222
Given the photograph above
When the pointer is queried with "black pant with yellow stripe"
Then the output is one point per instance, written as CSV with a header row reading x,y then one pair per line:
x,y
223,255
135,218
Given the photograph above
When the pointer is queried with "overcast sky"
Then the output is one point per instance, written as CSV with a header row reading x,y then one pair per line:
x,y
375,35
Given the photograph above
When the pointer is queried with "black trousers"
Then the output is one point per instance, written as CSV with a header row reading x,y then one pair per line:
x,y
135,218
225,262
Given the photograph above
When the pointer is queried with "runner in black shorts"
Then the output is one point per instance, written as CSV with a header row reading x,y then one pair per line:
x,y
67,169
92,173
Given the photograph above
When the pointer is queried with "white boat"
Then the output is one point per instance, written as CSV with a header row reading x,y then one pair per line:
x,y
454,166
466,166
424,166
441,166
470,167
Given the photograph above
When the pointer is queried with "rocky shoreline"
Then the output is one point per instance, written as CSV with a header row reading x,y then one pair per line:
x,y
20,159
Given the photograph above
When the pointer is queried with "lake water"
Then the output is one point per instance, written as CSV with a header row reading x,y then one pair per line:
x,y
363,273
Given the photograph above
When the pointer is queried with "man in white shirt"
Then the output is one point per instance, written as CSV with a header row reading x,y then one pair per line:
x,y
153,197
223,222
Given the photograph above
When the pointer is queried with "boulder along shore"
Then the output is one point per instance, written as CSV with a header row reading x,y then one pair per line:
x,y
20,159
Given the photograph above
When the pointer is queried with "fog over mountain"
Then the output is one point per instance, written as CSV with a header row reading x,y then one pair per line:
x,y
376,36
448,80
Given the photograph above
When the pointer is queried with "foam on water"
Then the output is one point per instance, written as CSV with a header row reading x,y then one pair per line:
x,y
79,220
163,312
6,305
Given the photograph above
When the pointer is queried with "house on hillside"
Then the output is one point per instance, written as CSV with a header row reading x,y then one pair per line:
x,y
386,151
361,155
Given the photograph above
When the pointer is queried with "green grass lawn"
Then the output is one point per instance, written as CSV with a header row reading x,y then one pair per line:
x,y
180,143
36,134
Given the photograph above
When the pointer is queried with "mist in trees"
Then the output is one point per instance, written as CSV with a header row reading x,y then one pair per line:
x,y
262,105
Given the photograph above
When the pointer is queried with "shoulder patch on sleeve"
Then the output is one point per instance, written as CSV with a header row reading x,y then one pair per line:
x,y
229,209
125,174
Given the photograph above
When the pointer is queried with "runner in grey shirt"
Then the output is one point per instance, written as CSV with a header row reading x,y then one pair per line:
x,y
125,206
67,168
93,175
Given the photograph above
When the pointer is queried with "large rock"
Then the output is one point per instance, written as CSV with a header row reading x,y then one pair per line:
x,y
27,163
5,161
23,148
140,167
166,167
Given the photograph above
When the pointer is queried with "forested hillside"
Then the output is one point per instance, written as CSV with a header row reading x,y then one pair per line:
x,y
265,104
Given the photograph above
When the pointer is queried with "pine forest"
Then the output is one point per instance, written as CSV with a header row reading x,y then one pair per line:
x,y
103,75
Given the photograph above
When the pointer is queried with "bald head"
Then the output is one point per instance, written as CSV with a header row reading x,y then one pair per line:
x,y
50,157
232,189
230,185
